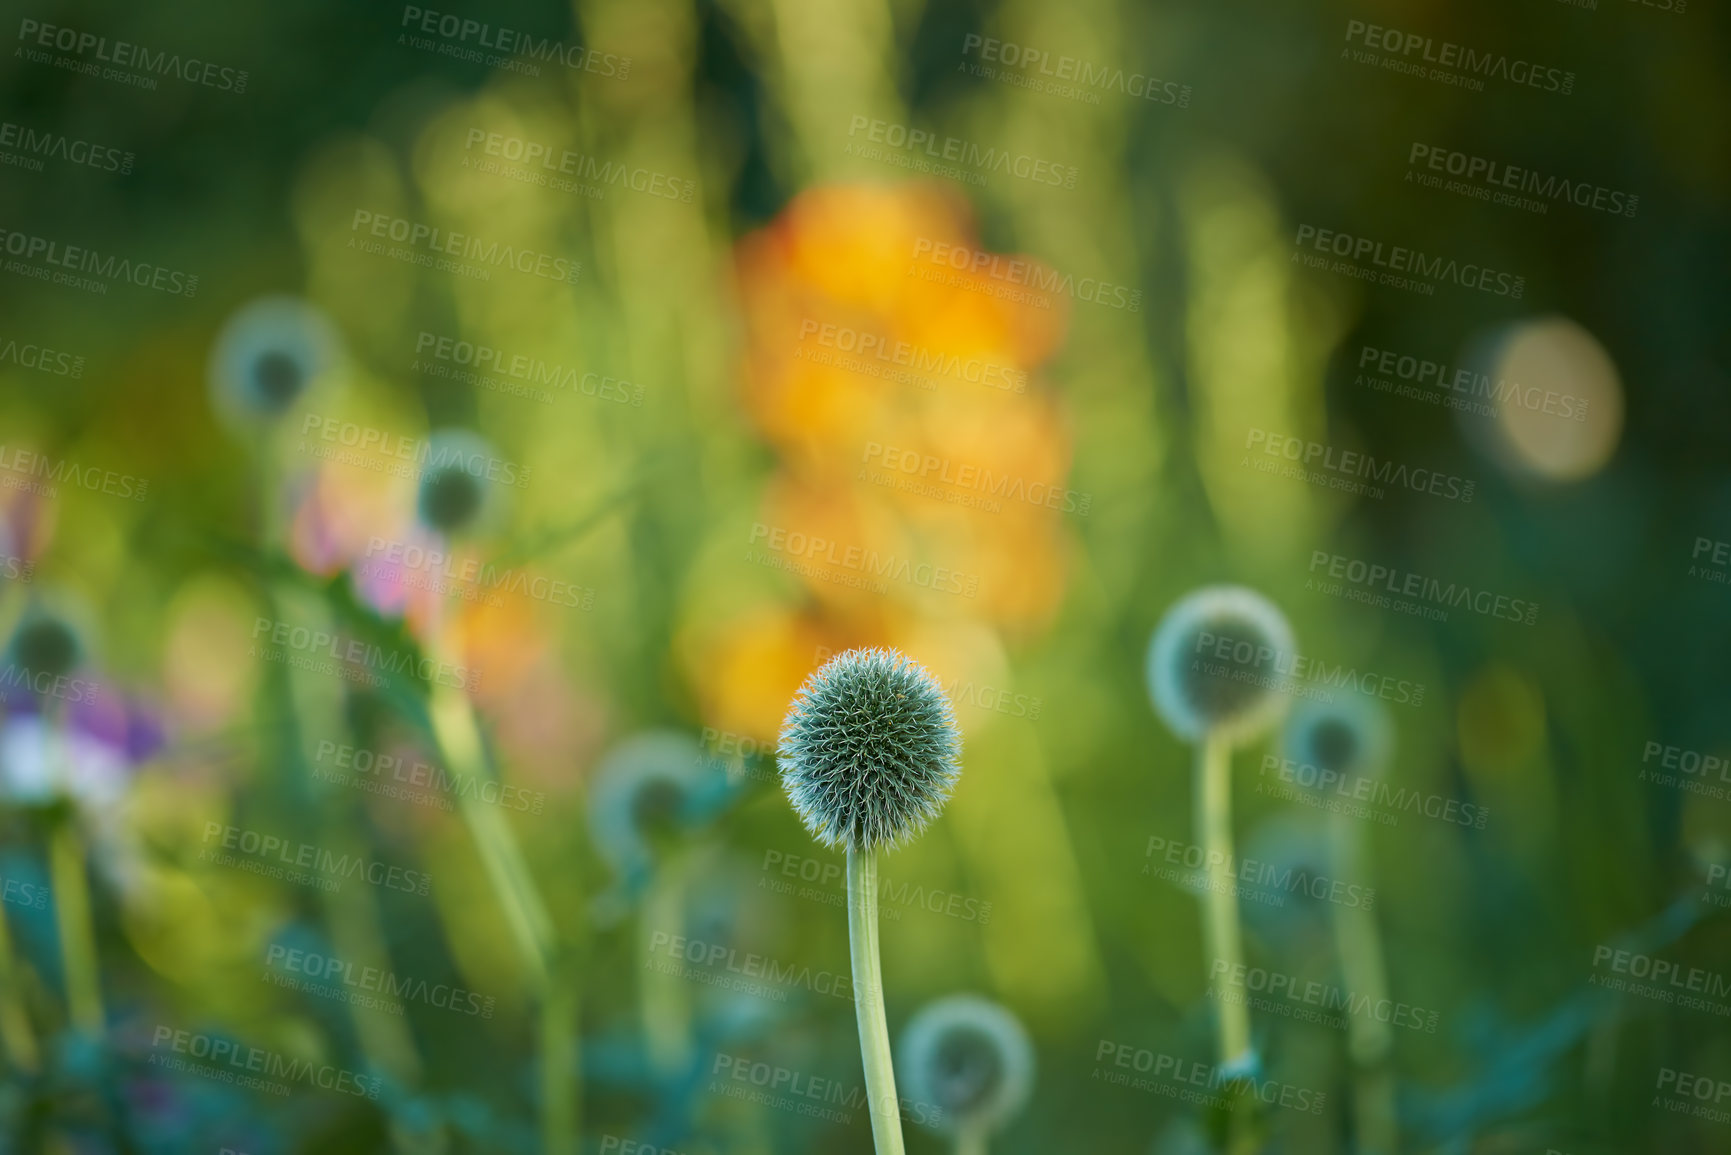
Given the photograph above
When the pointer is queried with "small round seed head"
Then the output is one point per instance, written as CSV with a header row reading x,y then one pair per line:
x,y
455,495
45,643
1292,850
268,353
869,750
1209,661
449,498
642,795
971,1058
278,378
1350,737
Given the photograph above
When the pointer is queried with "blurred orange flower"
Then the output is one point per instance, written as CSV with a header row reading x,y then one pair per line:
x,y
892,362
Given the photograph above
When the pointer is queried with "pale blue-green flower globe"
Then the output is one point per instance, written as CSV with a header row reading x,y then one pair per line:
x,y
44,644
1286,878
52,639
870,750
969,1058
459,488
269,352
1215,663
1349,737
642,794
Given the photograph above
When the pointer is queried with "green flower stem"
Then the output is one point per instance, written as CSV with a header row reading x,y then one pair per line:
x,y
302,702
15,1031
971,1141
352,914
72,896
666,1000
868,999
1220,902
1373,1111
459,737
1369,1041
509,875
77,938
559,1074
272,530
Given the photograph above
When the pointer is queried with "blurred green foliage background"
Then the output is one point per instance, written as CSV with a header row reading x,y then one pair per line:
x,y
683,428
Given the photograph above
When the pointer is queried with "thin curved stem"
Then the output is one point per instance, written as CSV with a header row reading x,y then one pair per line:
x,y
457,732
77,938
560,1089
459,739
1220,899
15,1029
357,933
1369,1041
868,1001
665,998
72,893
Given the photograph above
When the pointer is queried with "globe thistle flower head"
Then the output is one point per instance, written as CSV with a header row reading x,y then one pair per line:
x,y
869,750
1210,660
268,353
455,494
969,1057
1294,864
1349,737
641,796
44,643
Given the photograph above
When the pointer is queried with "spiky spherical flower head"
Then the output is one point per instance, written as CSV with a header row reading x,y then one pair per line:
x,y
455,493
268,353
641,795
1211,662
971,1058
1349,737
869,750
